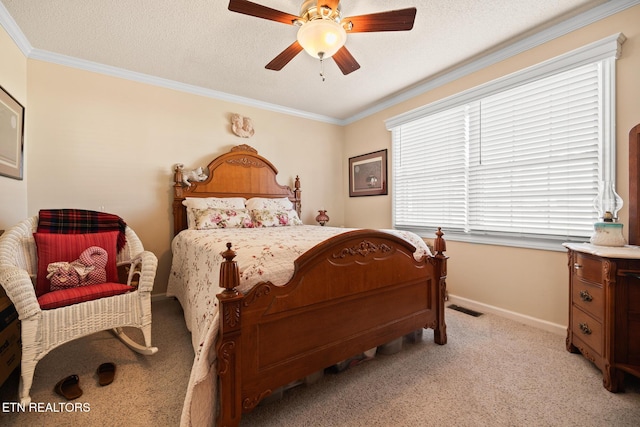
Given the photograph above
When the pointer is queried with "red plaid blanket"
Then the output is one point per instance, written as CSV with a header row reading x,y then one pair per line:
x,y
78,221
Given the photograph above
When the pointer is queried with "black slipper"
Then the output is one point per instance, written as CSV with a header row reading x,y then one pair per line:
x,y
69,387
106,373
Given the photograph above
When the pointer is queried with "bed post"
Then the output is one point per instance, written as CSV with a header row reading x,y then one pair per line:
x,y
228,345
297,194
439,247
179,214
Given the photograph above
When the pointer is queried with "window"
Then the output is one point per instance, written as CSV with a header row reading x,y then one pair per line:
x,y
516,161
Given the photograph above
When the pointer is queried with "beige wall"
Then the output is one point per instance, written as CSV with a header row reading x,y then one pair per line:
x,y
529,282
94,141
99,142
13,79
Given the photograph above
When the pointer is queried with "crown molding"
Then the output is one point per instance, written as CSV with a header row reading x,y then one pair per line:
x,y
16,34
579,21
95,67
10,26
608,47
602,11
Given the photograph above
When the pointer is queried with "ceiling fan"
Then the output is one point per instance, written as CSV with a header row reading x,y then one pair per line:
x,y
323,31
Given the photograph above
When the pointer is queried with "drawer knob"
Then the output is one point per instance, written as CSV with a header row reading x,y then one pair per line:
x,y
586,296
577,266
585,328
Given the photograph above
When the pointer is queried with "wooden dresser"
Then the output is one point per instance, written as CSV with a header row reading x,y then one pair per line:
x,y
604,309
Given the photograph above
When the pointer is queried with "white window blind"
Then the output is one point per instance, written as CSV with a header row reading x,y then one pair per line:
x,y
535,166
522,161
435,146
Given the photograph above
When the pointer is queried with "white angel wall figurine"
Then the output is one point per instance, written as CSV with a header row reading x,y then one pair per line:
x,y
242,126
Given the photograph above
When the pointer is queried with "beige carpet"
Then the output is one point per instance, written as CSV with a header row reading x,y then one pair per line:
x,y
493,372
147,390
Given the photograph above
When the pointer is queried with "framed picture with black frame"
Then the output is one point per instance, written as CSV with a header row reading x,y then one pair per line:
x,y
11,135
368,174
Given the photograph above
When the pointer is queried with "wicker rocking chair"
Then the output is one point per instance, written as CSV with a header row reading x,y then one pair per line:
x,y
45,329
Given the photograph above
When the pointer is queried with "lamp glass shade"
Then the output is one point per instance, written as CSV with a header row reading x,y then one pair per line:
x,y
607,203
322,36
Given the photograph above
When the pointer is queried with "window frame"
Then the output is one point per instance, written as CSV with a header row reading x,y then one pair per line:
x,y
606,51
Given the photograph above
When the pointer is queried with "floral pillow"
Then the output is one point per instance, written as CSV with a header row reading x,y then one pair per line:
x,y
274,218
192,203
212,218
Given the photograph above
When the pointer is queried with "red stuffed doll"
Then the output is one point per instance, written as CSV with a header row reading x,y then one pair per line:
x,y
88,269
62,276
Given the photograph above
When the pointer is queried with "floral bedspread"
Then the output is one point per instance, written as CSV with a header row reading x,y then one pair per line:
x,y
262,254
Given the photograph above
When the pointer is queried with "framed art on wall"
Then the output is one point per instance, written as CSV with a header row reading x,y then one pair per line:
x,y
368,174
11,135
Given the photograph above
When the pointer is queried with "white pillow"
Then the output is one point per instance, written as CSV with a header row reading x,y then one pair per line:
x,y
260,203
192,203
214,202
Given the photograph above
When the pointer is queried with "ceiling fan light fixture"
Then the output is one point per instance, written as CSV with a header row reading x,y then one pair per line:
x,y
322,36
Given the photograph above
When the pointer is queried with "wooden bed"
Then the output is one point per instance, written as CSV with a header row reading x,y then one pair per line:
x,y
348,294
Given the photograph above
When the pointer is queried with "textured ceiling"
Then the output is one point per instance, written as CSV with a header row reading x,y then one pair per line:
x,y
202,43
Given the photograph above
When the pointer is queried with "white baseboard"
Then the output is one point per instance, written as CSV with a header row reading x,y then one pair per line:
x,y
477,306
159,297
518,317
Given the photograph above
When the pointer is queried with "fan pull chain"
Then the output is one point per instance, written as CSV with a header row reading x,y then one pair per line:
x,y
321,55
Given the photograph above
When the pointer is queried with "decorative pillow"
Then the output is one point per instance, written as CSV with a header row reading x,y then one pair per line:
x,y
207,219
274,218
280,204
53,248
192,203
89,269
70,296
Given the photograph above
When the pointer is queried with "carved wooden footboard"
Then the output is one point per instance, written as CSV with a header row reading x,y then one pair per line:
x,y
349,294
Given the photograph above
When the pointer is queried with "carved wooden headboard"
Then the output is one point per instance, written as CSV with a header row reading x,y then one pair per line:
x,y
241,172
634,185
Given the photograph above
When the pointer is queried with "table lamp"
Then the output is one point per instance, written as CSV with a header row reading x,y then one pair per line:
x,y
607,231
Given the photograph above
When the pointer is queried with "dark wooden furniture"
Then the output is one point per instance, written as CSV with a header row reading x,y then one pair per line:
x,y
348,294
604,307
634,185
604,294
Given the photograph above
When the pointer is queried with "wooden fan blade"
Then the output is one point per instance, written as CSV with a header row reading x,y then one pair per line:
x,y
285,56
393,20
253,9
346,62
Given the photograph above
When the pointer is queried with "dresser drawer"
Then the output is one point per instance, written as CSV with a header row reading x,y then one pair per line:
x,y
588,268
604,310
588,297
587,329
